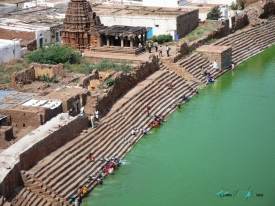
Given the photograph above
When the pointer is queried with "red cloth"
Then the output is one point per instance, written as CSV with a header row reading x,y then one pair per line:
x,y
148,107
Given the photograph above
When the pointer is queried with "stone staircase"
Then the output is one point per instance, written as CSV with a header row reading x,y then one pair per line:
x,y
194,63
249,42
60,174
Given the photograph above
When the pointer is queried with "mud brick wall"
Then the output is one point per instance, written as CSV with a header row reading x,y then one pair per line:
x,y
187,22
77,101
125,81
35,71
6,133
85,81
22,77
48,70
22,116
56,137
8,34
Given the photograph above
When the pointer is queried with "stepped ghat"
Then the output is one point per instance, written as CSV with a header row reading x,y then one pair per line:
x,y
53,179
244,44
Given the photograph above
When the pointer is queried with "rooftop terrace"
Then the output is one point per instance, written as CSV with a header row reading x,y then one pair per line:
x,y
139,10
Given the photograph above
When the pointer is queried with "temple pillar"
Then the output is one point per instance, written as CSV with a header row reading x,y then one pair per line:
x,y
131,42
112,41
99,41
145,39
142,43
122,43
108,40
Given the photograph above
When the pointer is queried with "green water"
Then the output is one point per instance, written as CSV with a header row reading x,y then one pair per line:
x,y
223,139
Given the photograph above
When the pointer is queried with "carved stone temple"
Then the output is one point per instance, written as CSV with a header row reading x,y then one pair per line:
x,y
82,29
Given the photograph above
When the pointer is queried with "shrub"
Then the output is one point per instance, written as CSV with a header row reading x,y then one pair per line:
x,y
110,82
233,6
214,14
242,3
162,38
54,54
45,78
106,65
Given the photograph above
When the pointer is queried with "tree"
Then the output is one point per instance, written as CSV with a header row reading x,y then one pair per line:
x,y
234,6
54,54
214,14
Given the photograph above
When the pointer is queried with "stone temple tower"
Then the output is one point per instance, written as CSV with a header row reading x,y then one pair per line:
x,y
81,25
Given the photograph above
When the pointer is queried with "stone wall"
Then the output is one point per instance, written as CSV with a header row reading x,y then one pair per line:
x,y
85,81
48,70
268,9
184,48
239,21
35,146
23,116
125,81
187,22
34,72
6,133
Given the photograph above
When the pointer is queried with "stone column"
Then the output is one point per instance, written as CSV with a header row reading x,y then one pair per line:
x,y
145,40
142,43
131,42
122,43
99,40
112,41
108,40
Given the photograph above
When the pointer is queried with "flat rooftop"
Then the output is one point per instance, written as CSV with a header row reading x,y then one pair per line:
x,y
9,98
35,17
110,9
66,93
213,48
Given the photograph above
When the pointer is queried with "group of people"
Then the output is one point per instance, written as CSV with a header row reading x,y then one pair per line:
x,y
158,119
157,48
73,111
108,168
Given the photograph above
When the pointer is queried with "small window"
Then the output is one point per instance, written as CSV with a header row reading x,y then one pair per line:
x,y
24,125
157,25
45,40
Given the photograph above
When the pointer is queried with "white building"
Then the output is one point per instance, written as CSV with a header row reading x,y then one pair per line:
x,y
164,3
53,3
158,20
158,3
228,2
9,49
43,35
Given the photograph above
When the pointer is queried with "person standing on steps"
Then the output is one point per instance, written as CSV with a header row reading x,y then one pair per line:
x,y
156,46
168,50
160,51
149,47
148,110
215,65
92,121
96,115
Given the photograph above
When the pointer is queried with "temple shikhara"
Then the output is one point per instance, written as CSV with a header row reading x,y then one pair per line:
x,y
82,29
